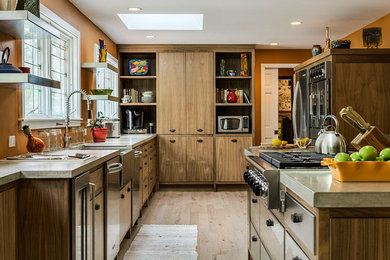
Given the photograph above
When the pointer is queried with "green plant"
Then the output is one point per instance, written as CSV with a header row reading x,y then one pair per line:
x,y
99,120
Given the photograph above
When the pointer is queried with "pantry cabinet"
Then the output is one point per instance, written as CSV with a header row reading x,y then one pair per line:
x,y
230,160
8,222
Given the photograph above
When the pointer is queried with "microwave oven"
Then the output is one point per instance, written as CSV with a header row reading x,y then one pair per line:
x,y
233,124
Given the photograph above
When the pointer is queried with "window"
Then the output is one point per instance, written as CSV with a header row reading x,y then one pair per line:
x,y
54,58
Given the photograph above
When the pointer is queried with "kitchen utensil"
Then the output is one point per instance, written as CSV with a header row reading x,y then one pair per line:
x,y
5,67
328,141
351,120
152,128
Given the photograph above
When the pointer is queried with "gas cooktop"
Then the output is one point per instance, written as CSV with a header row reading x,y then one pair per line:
x,y
288,160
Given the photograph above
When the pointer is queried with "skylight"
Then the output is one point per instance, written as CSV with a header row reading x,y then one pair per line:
x,y
162,21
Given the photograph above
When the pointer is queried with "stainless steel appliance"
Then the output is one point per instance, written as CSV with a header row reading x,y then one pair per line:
x,y
134,121
113,183
330,142
136,188
312,100
233,124
113,128
83,227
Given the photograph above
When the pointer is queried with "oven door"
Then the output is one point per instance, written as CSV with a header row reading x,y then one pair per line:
x,y
229,124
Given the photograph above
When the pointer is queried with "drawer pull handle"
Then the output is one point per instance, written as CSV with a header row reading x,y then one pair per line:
x,y
269,223
172,130
254,238
97,206
146,163
254,200
200,130
122,196
172,141
140,167
296,218
128,189
234,140
296,258
151,146
199,141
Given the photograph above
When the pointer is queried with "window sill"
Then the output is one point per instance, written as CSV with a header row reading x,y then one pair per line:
x,y
47,123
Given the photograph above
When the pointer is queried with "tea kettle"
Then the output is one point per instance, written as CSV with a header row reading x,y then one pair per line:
x,y
5,67
328,141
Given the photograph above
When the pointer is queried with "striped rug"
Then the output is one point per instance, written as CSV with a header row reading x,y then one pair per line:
x,y
164,242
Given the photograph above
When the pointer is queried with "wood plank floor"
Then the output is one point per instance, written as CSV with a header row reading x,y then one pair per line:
x,y
221,218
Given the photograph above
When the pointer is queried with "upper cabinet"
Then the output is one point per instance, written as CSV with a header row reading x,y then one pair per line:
x,y
185,93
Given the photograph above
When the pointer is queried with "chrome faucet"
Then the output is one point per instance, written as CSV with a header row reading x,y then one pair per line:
x,y
67,137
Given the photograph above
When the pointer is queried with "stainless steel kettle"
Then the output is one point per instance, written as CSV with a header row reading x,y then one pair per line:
x,y
328,141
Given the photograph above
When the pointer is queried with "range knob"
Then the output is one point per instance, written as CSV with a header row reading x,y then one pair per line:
x,y
252,182
257,190
246,176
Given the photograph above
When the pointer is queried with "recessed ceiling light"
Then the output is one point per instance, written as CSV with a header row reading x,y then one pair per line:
x,y
273,43
296,22
185,22
150,36
135,9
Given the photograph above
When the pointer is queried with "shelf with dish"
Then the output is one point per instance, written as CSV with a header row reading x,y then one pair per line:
x,y
20,78
103,97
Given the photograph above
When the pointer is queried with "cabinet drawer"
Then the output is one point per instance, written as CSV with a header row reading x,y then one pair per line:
x,y
96,177
271,233
254,243
145,189
292,250
263,253
301,222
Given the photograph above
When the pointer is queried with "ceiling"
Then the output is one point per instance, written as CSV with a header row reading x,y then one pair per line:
x,y
257,22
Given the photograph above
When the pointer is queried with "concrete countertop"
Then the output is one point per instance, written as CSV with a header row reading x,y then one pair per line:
x,y
124,142
319,190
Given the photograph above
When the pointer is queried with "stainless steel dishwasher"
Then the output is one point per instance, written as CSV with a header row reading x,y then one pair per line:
x,y
113,183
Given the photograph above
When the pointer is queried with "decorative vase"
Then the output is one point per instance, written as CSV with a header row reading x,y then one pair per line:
x,y
222,67
99,135
231,97
244,64
316,50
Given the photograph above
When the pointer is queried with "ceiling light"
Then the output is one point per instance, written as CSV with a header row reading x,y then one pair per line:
x,y
150,36
135,9
296,22
162,21
273,43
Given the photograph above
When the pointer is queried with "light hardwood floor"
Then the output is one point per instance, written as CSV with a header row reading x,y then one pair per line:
x,y
221,218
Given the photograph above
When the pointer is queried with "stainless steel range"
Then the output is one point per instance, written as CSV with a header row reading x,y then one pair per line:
x,y
267,201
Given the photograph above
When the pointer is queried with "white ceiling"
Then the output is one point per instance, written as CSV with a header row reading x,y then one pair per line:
x,y
240,22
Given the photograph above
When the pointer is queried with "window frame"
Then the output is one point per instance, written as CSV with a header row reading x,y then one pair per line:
x,y
39,123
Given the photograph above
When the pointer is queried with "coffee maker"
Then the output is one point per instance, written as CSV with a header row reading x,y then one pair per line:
x,y
134,121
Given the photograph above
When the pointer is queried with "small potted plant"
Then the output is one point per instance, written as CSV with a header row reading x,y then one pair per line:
x,y
99,132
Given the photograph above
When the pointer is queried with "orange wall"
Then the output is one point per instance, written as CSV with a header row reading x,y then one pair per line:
x,y
9,97
357,38
272,56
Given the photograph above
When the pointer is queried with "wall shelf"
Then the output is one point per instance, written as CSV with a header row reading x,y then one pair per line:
x,y
102,97
233,77
22,24
138,77
18,78
234,104
137,104
98,65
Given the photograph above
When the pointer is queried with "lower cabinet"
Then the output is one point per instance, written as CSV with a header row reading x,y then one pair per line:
x,y
230,159
99,226
8,224
125,210
200,157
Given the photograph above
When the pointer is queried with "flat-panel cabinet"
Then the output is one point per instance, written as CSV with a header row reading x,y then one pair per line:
x,y
172,150
125,209
99,226
199,92
230,158
8,224
172,93
200,159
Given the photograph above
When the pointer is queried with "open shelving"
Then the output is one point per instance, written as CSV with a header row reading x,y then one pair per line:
x,y
233,77
103,97
137,104
19,78
233,104
98,65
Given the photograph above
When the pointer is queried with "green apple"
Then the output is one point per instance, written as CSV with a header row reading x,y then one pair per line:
x,y
368,153
356,157
342,157
379,159
385,154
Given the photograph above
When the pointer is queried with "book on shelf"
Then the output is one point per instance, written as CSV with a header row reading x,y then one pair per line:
x,y
133,95
222,95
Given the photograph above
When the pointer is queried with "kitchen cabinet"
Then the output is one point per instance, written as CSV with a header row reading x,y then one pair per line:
x,y
125,210
199,92
200,159
230,159
148,164
8,222
99,226
172,150
171,93
152,171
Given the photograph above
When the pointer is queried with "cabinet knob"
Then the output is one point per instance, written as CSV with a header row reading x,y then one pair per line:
x,y
296,218
172,130
146,150
296,258
269,223
128,189
200,141
146,163
199,130
254,238
140,167
146,185
254,200
151,146
172,141
151,158
122,196
234,140
97,206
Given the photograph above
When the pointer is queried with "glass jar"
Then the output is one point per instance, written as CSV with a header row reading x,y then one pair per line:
x,y
45,137
81,135
53,140
60,139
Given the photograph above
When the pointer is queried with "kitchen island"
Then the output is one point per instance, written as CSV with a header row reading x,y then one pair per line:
x,y
318,217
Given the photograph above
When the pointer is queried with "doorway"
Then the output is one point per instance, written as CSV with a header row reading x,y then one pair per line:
x,y
276,101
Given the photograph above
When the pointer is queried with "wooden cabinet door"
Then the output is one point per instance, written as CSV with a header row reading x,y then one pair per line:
x,y
125,210
199,92
99,226
172,151
8,224
171,93
230,159
359,238
200,158
152,171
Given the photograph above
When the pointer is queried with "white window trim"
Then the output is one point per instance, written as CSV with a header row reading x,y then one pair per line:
x,y
55,123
